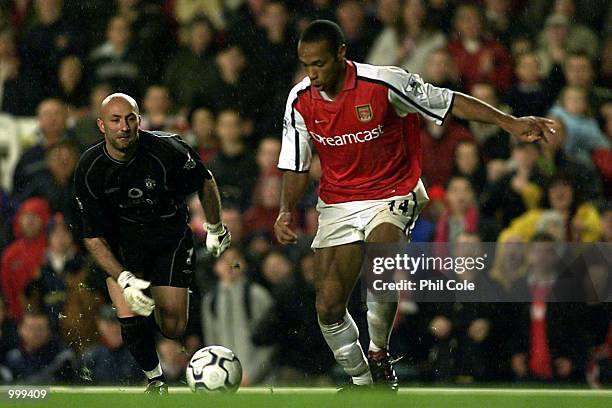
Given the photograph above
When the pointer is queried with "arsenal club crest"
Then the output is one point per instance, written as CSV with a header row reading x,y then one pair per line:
x,y
364,112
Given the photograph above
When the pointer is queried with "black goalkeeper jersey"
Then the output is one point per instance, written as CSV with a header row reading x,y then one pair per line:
x,y
141,202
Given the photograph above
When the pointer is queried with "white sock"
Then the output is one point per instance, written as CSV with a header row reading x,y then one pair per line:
x,y
343,339
363,379
156,372
380,323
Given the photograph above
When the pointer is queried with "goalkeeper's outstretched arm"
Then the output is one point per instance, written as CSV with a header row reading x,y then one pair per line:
x,y
218,237
102,254
211,201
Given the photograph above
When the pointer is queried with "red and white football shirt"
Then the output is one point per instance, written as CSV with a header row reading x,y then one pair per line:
x,y
367,137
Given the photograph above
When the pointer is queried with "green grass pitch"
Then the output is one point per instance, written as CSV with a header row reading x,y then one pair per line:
x,y
422,397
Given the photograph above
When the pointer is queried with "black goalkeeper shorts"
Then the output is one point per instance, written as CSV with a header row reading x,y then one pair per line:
x,y
162,265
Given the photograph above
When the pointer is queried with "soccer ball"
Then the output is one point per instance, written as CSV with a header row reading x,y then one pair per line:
x,y
214,369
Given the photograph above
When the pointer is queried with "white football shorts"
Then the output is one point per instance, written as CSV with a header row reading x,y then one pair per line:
x,y
354,220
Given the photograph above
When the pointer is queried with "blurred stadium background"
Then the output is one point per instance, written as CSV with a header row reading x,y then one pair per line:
x,y
218,72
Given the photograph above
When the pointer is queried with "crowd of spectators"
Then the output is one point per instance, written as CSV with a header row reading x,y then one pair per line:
x,y
218,73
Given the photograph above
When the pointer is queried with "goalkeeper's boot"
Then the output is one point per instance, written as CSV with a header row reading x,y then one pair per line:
x,y
157,387
381,367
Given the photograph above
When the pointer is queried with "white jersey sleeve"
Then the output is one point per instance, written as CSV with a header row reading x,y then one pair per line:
x,y
296,152
408,93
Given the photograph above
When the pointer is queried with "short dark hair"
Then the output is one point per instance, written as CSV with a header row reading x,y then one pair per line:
x,y
561,177
193,111
324,30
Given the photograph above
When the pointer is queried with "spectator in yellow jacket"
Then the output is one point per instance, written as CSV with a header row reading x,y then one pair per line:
x,y
562,215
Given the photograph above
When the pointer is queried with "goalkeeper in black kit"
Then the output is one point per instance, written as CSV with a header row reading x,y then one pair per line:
x,y
131,188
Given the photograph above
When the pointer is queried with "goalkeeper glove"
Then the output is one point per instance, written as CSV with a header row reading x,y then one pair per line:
x,y
218,238
132,292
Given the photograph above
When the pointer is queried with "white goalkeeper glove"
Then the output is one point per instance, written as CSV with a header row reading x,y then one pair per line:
x,y
132,292
218,238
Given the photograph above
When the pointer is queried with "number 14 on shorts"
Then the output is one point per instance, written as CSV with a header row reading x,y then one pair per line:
x,y
399,207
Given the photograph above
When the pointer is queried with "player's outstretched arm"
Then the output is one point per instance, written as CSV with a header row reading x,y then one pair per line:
x,y
218,237
294,186
526,129
101,252
211,201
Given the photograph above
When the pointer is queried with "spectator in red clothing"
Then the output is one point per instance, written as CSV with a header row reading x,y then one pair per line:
x,y
260,217
440,141
262,214
461,214
61,288
547,340
478,57
597,282
22,258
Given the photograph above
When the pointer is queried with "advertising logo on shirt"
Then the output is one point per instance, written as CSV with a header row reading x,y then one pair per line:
x,y
349,138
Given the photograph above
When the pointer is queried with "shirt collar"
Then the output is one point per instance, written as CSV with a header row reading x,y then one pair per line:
x,y
350,80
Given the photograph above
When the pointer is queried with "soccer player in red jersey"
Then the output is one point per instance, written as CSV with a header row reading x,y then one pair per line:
x,y
363,122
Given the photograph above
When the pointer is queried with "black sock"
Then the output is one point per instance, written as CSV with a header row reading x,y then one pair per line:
x,y
139,337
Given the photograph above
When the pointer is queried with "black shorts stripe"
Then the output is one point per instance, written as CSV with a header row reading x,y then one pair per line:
x,y
414,210
402,95
178,246
450,108
296,133
296,136
415,205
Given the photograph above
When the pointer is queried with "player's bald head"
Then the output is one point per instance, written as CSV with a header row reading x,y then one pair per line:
x,y
119,121
119,98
